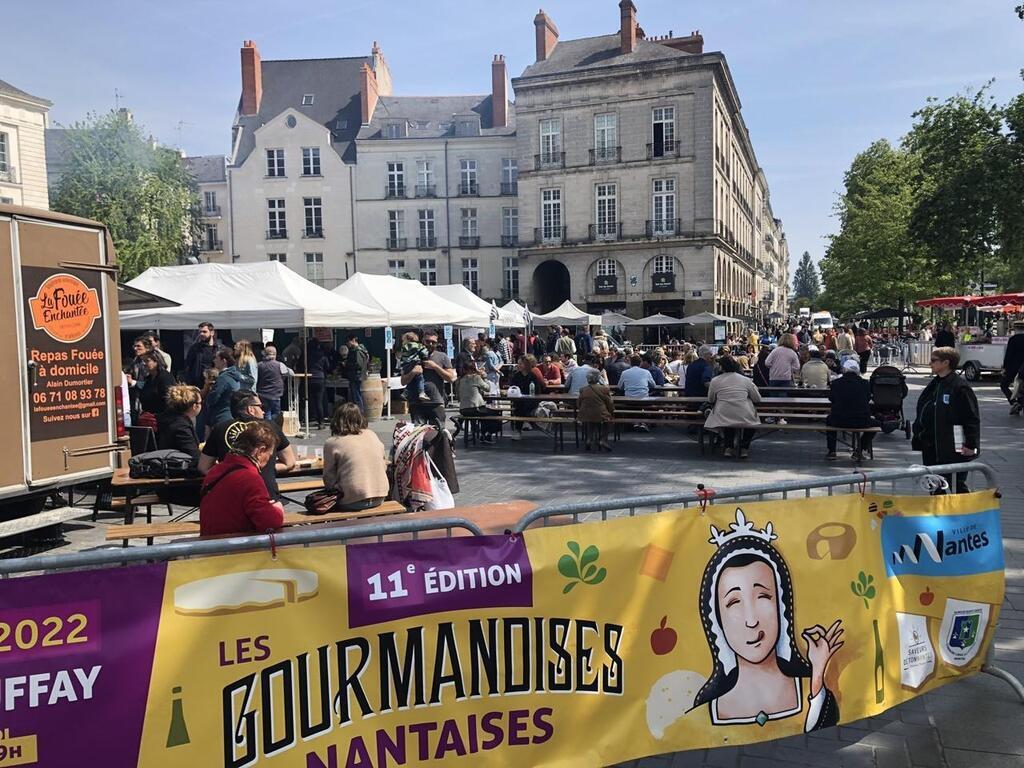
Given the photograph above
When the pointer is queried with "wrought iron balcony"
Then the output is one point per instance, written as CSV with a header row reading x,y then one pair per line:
x,y
509,241
660,149
396,243
426,190
546,160
313,234
212,245
663,228
426,243
8,174
277,234
212,211
469,241
510,187
549,235
469,189
601,155
394,190
609,230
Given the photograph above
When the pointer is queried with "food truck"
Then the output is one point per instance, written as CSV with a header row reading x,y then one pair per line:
x,y
60,393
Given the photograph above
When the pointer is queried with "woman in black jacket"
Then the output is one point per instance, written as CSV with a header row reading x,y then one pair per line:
x,y
153,398
176,430
947,428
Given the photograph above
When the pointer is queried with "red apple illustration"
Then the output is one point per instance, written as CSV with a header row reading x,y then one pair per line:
x,y
663,639
927,596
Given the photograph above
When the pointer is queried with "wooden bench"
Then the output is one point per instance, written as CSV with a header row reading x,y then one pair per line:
x,y
855,432
152,531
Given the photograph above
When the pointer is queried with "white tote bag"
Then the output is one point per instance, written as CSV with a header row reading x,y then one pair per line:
x,y
440,494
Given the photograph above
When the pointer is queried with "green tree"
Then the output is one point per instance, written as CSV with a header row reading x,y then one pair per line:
x,y
873,261
805,279
142,192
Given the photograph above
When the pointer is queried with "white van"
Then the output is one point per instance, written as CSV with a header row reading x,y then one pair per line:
x,y
823,320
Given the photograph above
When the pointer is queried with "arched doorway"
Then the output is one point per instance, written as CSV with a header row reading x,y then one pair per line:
x,y
550,286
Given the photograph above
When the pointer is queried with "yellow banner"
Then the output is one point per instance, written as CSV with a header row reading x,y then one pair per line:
x,y
576,645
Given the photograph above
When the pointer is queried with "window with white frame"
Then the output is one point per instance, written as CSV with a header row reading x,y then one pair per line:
x,y
551,213
426,229
5,152
314,212
510,224
664,265
424,177
550,140
510,277
467,177
510,170
428,271
275,162
469,223
607,268
210,237
311,161
395,130
307,99
396,228
471,274
663,121
607,212
396,267
663,214
396,179
281,257
210,202
605,136
276,226
315,268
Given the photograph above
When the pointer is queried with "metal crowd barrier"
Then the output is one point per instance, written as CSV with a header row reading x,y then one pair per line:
x,y
185,549
858,482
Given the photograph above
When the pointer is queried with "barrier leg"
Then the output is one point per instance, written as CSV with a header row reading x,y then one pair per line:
x,y
989,668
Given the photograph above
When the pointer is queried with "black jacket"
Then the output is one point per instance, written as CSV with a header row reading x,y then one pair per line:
x,y
153,398
198,360
176,430
945,403
945,338
851,401
1013,359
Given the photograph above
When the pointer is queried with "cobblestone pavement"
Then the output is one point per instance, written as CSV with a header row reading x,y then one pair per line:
x,y
973,723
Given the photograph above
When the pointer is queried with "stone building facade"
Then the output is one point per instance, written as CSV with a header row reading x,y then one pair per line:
x,y
210,173
23,122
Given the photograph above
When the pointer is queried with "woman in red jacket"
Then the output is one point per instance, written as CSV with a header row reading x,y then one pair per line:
x,y
234,496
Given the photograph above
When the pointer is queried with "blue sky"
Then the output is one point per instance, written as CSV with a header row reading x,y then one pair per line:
x,y
819,79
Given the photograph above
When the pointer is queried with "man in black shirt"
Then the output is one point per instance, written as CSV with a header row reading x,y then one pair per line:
x,y
199,358
1013,367
246,407
437,368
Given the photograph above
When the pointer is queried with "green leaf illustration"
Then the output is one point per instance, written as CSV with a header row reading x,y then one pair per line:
x,y
862,578
598,577
574,548
590,554
567,567
855,588
568,587
870,594
591,569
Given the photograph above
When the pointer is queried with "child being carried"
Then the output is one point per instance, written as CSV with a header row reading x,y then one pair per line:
x,y
412,354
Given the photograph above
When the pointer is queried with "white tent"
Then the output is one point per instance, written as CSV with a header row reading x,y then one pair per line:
x,y
461,295
517,312
567,314
404,303
260,295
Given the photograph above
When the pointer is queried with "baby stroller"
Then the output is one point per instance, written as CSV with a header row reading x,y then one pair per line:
x,y
888,389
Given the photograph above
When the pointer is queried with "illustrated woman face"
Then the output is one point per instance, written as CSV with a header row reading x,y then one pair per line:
x,y
749,610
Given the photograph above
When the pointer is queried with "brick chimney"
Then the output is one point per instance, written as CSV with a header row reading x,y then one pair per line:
x,y
692,43
252,78
369,93
547,34
627,31
499,92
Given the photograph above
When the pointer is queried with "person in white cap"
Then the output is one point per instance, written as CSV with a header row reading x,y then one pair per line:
x,y
850,395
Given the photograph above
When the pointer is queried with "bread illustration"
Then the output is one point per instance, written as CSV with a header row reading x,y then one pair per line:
x,y
245,591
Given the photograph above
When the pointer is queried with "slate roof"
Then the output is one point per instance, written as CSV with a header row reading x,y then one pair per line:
x,y
7,89
595,52
206,168
432,116
334,84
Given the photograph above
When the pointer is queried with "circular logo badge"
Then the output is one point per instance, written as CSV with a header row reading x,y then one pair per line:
x,y
65,308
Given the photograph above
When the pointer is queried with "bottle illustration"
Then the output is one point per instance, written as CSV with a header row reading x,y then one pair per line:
x,y
177,734
879,667
533,388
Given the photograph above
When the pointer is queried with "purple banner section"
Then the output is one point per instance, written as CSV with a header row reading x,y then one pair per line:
x,y
79,656
398,579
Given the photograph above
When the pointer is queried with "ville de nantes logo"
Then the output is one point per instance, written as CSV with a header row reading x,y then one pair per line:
x,y
65,308
953,545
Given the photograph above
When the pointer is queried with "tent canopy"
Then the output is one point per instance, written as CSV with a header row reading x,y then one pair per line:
x,y
885,313
134,298
516,311
658,319
707,318
567,314
483,311
404,303
609,319
260,295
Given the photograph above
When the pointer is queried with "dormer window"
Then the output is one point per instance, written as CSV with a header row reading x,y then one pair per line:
x,y
395,129
467,126
307,100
